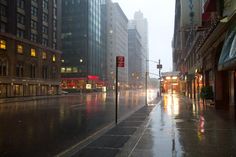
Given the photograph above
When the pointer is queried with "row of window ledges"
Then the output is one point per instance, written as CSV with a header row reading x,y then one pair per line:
x,y
33,71
21,3
46,71
20,50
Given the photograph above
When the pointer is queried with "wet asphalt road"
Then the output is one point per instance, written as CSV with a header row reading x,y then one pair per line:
x,y
46,127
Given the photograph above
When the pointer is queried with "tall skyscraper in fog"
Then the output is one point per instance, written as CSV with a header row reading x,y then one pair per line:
x,y
141,24
117,43
136,58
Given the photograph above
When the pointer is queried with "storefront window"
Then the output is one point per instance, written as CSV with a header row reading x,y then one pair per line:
x,y
18,90
44,90
75,69
32,90
63,69
68,69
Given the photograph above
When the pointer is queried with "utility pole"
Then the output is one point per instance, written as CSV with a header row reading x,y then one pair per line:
x,y
159,66
146,77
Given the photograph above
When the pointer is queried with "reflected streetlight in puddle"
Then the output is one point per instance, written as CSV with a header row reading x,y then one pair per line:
x,y
201,128
171,104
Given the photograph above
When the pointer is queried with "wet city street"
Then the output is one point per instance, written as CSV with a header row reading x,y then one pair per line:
x,y
173,126
46,127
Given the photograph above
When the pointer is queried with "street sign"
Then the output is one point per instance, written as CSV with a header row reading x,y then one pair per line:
x,y
159,66
120,61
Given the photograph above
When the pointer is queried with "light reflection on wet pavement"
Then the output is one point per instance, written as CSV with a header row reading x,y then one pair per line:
x,y
48,126
180,128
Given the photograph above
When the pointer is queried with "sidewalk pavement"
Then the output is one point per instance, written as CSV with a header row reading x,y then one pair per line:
x,y
174,127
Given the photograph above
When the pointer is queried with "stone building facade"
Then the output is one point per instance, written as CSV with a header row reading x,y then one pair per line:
x,y
206,56
29,43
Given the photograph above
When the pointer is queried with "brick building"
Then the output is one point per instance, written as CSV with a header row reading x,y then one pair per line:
x,y
29,47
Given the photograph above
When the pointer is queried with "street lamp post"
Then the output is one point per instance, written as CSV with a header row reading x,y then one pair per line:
x,y
159,66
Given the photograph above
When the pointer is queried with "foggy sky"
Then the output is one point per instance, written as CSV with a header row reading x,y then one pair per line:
x,y
160,15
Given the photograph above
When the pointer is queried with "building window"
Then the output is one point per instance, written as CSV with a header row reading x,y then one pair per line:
x,y
45,72
54,72
34,24
32,71
3,44
63,69
33,37
20,4
54,58
45,4
19,70
34,11
44,55
54,36
55,2
54,45
20,19
20,33
69,69
45,29
45,17
3,27
3,68
75,69
55,24
3,10
20,49
32,52
45,42
55,12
